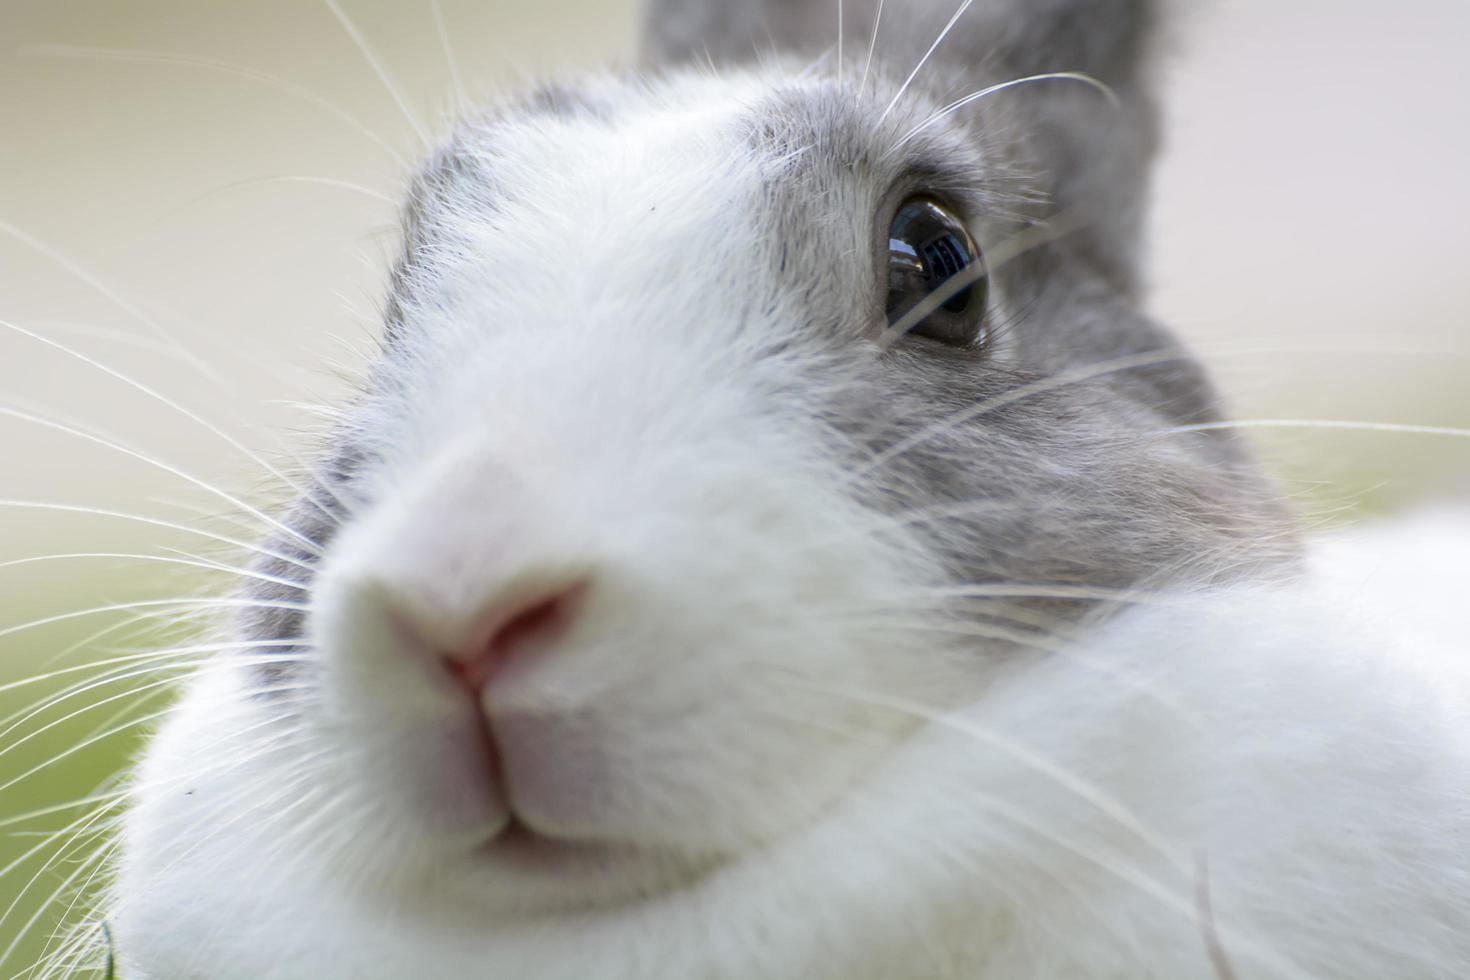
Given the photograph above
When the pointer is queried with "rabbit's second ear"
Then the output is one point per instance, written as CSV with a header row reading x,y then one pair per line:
x,y
1105,38
727,31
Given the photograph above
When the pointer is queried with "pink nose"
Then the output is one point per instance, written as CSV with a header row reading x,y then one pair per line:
x,y
523,627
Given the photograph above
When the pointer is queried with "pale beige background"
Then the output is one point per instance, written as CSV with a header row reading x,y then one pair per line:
x,y
1311,232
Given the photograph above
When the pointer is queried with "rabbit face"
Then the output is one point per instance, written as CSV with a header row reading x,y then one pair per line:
x,y
647,512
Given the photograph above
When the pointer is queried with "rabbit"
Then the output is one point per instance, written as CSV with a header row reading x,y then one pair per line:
x,y
772,543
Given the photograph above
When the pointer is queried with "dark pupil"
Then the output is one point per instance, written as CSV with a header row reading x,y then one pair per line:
x,y
926,246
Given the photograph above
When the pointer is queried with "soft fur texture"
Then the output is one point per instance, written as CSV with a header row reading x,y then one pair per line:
x,y
1274,774
888,659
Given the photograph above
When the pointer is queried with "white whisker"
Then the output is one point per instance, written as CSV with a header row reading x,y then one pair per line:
x,y
345,185
461,96
208,603
168,402
99,859
85,709
1052,590
188,61
113,296
978,409
157,559
841,32
84,744
154,522
964,6
108,443
113,335
383,74
1131,680
872,49
77,838
54,835
1069,781
973,97
1393,427
47,811
177,556
179,670
143,657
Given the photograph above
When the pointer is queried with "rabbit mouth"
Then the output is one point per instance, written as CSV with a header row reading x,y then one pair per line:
x,y
550,875
523,847
530,850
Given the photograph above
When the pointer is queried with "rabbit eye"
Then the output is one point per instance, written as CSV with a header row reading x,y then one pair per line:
x,y
927,246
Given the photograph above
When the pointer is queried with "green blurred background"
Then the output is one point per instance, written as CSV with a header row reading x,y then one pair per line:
x,y
1310,237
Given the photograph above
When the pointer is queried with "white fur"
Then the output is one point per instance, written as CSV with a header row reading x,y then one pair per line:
x,y
1296,754
753,775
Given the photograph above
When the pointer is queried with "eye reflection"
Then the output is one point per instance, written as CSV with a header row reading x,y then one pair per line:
x,y
927,246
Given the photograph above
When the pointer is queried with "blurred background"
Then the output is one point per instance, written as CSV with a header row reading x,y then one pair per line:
x,y
200,195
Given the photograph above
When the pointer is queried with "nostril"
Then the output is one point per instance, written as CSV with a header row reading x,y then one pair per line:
x,y
521,627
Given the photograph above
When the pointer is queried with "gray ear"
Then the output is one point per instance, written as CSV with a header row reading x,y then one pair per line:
x,y
737,30
1094,158
1105,38
1108,39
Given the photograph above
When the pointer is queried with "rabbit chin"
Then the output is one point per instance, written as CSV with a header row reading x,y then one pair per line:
x,y
201,893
